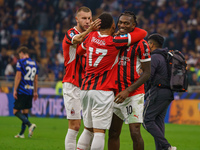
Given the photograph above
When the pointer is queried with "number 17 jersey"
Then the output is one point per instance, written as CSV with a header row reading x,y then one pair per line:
x,y
101,61
28,69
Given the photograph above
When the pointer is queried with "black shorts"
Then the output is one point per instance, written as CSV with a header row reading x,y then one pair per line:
x,y
23,102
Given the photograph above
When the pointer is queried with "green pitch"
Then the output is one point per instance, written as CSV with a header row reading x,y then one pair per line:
x,y
50,134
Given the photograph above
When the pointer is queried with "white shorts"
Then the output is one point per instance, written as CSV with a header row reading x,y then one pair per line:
x,y
131,110
97,108
71,95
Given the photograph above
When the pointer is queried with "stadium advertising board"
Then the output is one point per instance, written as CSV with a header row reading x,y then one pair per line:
x,y
185,111
44,106
48,106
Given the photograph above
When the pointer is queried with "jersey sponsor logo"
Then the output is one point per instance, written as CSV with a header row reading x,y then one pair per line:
x,y
71,34
98,41
125,35
72,111
123,60
29,87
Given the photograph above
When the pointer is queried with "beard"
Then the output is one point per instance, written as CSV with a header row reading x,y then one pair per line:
x,y
82,28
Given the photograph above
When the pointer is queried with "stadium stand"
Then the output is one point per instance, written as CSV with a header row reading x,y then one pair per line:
x,y
178,21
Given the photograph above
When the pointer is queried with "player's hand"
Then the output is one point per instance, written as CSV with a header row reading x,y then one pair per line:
x,y
95,25
117,33
15,94
35,96
120,98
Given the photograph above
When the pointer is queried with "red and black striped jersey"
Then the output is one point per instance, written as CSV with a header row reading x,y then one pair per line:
x,y
74,64
101,61
129,65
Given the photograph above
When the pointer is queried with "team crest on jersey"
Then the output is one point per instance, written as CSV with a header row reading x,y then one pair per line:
x,y
71,34
72,111
125,35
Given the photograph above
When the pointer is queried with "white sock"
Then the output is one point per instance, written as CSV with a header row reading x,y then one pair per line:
x,y
70,139
85,140
98,141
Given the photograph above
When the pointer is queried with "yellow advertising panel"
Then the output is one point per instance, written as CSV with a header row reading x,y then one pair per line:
x,y
185,111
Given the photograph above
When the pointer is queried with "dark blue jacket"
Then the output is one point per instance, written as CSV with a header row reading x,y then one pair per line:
x,y
159,75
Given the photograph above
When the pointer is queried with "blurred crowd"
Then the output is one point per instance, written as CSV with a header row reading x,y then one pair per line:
x,y
29,22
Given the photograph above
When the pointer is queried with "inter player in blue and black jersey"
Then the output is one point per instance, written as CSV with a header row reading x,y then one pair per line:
x,y
25,89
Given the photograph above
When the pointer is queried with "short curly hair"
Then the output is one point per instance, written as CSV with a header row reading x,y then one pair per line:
x,y
106,21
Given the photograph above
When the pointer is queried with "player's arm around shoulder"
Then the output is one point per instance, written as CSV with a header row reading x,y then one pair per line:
x,y
79,37
137,34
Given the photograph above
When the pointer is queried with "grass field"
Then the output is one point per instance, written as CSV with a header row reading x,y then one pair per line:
x,y
50,134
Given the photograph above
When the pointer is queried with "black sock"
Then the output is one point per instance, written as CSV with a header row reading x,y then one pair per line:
x,y
23,118
23,126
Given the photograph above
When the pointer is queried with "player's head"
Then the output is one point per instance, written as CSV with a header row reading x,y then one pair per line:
x,y
23,52
107,22
126,22
83,18
155,41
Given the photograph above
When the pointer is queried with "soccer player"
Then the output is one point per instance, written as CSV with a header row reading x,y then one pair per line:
x,y
74,71
158,98
97,96
129,100
25,89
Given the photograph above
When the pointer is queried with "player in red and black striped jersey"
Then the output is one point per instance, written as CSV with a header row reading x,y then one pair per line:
x,y
101,63
97,96
129,66
129,100
74,64
74,71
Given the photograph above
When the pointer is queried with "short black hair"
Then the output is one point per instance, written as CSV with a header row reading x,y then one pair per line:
x,y
157,38
106,21
129,13
24,50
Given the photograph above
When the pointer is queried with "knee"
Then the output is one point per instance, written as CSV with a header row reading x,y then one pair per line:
x,y
74,125
114,134
77,126
135,133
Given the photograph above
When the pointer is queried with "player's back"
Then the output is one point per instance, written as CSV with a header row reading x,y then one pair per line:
x,y
74,64
102,57
28,69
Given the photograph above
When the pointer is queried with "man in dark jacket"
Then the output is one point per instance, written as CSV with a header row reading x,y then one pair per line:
x,y
158,94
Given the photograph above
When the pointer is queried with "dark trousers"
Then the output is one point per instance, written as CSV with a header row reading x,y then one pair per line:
x,y
154,115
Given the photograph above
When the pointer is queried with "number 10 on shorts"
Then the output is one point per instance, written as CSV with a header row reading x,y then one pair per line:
x,y
129,109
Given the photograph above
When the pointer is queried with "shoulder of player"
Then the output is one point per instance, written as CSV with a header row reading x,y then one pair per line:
x,y
92,34
71,32
142,42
